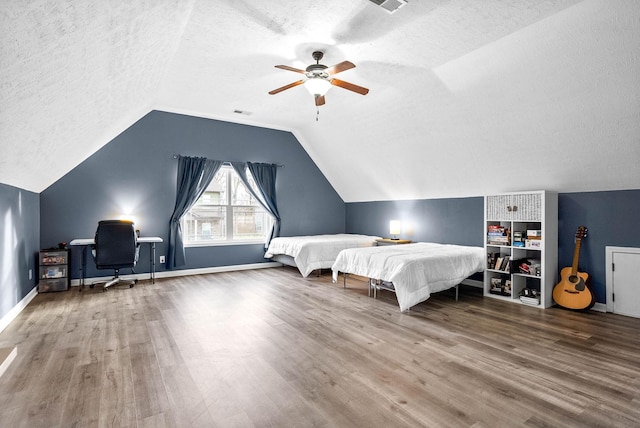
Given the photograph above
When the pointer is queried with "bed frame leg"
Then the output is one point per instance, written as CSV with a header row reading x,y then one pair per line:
x,y
457,286
344,280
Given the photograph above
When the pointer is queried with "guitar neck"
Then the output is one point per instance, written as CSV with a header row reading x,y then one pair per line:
x,y
576,256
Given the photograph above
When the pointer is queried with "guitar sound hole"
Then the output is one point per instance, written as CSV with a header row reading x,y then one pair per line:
x,y
577,281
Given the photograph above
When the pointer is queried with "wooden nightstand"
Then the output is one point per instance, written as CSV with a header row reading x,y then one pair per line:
x,y
389,241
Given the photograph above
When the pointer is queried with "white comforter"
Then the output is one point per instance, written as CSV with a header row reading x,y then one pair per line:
x,y
416,270
316,251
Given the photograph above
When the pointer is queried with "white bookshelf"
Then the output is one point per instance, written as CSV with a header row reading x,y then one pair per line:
x,y
518,213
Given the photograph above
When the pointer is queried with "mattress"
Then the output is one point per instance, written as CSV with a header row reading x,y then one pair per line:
x,y
316,251
416,270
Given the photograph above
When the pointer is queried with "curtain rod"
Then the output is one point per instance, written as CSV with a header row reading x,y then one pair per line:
x,y
175,156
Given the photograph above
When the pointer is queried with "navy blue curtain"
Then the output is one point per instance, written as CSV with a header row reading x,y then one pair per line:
x,y
264,175
194,175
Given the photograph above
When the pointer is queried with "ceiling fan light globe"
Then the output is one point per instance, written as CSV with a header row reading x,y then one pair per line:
x,y
317,86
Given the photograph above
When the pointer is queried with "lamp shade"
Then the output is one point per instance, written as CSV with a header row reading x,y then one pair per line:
x,y
395,227
317,86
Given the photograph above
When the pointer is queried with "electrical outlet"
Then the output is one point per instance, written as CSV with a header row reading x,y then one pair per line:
x,y
161,259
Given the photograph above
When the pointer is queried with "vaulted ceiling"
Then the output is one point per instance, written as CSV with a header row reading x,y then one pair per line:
x,y
466,97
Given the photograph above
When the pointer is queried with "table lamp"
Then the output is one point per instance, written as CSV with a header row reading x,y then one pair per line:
x,y
395,228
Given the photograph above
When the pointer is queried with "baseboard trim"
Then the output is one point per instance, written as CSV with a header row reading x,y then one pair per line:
x,y
13,313
183,272
599,307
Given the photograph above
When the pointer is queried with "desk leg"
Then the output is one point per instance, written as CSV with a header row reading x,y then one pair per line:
x,y
153,262
83,268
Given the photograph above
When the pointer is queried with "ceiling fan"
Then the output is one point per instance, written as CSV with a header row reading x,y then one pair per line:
x,y
319,78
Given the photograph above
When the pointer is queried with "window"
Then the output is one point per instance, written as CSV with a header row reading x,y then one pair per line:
x,y
226,212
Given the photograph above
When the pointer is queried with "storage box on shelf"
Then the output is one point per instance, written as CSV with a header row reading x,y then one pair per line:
x,y
521,245
54,271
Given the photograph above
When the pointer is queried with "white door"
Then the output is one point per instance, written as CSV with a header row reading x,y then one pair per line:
x,y
626,283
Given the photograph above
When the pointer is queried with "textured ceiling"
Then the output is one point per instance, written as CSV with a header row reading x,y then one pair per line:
x,y
466,97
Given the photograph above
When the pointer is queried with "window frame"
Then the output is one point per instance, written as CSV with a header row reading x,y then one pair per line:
x,y
231,174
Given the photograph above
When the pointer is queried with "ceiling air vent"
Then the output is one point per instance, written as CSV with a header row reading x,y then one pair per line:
x,y
390,6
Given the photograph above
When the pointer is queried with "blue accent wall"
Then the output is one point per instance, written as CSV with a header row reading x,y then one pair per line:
x,y
611,217
135,174
19,245
447,221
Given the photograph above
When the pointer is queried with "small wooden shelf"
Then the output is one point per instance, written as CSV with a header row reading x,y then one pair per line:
x,y
389,241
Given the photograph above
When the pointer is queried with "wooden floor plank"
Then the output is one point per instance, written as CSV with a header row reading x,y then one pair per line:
x,y
149,389
270,348
82,405
118,405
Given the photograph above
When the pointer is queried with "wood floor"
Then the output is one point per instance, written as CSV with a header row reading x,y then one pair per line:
x,y
270,348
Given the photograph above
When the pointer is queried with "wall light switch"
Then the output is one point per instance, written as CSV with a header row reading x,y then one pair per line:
x,y
161,259
30,273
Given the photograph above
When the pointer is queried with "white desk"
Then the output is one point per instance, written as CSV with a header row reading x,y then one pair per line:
x,y
87,242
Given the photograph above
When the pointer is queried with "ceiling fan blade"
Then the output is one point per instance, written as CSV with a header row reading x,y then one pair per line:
x,y
286,67
290,85
350,86
344,65
320,100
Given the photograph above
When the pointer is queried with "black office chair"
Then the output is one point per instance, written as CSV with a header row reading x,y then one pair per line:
x,y
116,247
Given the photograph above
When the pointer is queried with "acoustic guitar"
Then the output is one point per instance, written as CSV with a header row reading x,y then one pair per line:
x,y
573,291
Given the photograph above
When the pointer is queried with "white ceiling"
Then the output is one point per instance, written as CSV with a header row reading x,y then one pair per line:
x,y
467,97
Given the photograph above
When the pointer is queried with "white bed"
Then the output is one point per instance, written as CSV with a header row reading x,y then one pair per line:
x,y
309,253
416,270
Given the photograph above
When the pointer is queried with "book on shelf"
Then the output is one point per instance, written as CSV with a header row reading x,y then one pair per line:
x,y
507,265
530,300
497,262
498,240
519,238
530,296
491,260
498,235
534,238
497,230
